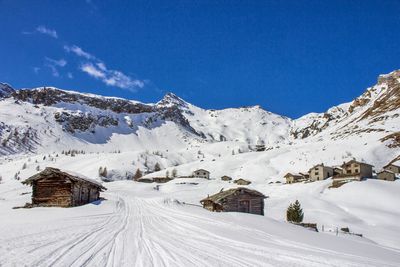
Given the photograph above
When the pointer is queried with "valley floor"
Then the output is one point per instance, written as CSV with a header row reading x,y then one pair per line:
x,y
139,226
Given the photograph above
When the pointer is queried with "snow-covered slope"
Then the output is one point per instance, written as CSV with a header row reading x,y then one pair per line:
x,y
36,125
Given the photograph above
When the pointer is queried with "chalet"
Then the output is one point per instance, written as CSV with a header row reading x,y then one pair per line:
x,y
354,171
294,178
320,172
337,170
56,188
386,175
392,168
201,173
226,178
236,200
242,182
260,146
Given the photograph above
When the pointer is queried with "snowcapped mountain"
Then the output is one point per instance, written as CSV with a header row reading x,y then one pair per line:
x,y
376,110
50,118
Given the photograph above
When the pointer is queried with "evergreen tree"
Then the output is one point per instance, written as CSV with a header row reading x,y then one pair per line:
x,y
104,174
157,167
174,173
294,212
167,174
138,175
101,171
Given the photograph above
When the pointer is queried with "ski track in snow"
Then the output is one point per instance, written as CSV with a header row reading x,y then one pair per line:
x,y
144,231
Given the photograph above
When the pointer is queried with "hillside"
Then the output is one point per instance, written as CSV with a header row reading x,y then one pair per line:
x,y
39,127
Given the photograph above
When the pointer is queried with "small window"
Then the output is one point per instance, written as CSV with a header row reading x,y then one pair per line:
x,y
356,170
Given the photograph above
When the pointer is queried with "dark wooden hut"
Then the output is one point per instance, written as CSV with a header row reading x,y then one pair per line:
x,y
237,200
56,188
226,178
242,182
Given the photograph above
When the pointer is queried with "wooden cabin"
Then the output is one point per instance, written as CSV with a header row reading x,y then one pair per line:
x,y
226,178
386,175
56,188
392,167
201,173
294,178
242,182
236,200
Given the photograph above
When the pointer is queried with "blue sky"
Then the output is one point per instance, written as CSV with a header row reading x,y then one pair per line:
x,y
290,57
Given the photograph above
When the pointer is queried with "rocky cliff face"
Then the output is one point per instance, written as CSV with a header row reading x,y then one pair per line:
x,y
5,90
367,113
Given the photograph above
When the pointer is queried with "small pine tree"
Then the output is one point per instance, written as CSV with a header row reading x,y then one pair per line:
x,y
167,174
138,175
174,173
1,179
24,166
104,173
294,212
157,167
101,171
38,168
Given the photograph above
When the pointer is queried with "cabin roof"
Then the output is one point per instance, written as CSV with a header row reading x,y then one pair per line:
x,y
223,194
293,174
355,161
391,164
203,170
71,175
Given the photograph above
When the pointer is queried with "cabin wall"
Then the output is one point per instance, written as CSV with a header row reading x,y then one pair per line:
x,y
84,193
386,176
244,203
52,193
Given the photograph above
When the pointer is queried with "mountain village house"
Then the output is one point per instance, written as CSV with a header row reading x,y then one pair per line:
x,y
56,188
356,170
226,178
236,200
392,167
320,172
242,182
201,173
386,175
294,178
352,171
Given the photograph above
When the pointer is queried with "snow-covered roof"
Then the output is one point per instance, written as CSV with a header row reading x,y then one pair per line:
x,y
70,174
223,194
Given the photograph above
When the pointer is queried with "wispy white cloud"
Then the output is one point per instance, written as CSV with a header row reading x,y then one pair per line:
x,y
36,70
111,77
43,30
97,69
69,75
78,51
53,64
60,63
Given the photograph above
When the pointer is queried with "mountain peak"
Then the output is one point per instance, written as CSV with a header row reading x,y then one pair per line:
x,y
170,99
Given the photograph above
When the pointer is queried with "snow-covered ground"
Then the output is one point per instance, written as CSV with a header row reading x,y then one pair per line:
x,y
139,226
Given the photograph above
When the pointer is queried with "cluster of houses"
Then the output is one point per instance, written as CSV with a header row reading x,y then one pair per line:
x,y
352,170
53,187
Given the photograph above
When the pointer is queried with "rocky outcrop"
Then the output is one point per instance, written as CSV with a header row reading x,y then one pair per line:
x,y
49,96
83,122
5,90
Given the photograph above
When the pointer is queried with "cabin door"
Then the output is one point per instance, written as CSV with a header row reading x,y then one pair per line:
x,y
244,206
